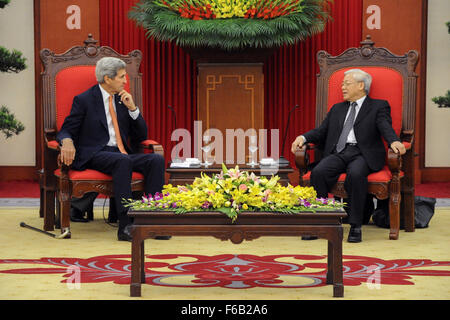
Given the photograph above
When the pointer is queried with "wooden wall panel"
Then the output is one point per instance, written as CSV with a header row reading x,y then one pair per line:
x,y
66,23
231,96
398,25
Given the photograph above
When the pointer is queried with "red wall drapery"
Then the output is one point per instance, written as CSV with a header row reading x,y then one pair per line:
x,y
169,76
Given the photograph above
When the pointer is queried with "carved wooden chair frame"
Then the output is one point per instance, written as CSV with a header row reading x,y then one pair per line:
x,y
400,189
62,186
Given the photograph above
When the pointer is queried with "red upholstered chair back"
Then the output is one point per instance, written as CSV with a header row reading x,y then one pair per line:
x,y
70,82
73,72
387,84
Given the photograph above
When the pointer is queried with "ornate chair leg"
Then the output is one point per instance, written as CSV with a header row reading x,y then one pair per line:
x,y
41,192
394,210
64,200
49,209
408,183
65,217
408,211
58,212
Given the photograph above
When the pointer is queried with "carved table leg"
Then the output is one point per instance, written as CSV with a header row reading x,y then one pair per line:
x,y
136,263
142,262
330,263
338,285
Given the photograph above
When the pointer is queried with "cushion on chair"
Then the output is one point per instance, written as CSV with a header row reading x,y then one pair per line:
x,y
53,144
384,175
149,142
90,174
70,82
407,145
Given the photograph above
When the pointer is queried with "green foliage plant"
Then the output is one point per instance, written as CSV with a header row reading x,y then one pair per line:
x,y
10,62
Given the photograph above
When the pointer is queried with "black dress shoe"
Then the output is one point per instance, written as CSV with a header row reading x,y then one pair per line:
x,y
125,234
163,237
112,214
77,216
355,235
309,238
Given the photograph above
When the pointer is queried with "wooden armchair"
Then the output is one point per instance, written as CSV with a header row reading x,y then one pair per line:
x,y
394,80
64,76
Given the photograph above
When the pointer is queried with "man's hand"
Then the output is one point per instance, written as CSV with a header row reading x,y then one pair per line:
x,y
127,100
398,147
297,144
67,151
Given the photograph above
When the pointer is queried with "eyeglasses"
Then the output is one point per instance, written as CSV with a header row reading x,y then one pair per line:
x,y
346,84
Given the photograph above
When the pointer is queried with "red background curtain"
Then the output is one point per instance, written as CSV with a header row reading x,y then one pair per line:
x,y
169,75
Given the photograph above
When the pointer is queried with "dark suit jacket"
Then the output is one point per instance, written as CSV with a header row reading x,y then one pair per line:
x,y
373,122
86,125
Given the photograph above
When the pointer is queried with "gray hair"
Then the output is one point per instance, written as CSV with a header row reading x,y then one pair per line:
x,y
108,66
361,76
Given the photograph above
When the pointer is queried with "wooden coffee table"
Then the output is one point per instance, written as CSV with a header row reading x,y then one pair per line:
x,y
248,226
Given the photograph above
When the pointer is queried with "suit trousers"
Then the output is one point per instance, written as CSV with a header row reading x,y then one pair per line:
x,y
350,161
120,167
84,203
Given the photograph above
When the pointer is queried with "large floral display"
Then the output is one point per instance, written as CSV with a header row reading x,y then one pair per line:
x,y
233,191
231,24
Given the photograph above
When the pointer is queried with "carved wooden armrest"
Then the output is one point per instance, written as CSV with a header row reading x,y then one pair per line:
x,y
407,136
151,145
394,161
302,156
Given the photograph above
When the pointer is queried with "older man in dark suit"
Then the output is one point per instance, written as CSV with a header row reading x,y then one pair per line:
x,y
95,136
351,139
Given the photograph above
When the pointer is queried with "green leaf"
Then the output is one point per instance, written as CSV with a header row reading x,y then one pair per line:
x,y
224,168
234,33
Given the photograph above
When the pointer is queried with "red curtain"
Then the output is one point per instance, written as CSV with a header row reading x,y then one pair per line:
x,y
169,76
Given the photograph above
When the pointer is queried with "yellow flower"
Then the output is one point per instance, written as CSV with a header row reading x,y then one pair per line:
x,y
255,190
217,200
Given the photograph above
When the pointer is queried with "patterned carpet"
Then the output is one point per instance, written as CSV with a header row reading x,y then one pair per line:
x,y
94,265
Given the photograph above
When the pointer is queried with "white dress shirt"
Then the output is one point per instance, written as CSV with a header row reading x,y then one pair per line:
x,y
112,134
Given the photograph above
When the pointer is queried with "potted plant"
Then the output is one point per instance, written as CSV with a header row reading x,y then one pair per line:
x,y
10,61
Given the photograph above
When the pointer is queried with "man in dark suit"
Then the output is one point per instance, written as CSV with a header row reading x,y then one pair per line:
x,y
95,136
350,137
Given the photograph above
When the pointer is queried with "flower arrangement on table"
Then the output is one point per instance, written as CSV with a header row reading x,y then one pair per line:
x,y
233,191
231,24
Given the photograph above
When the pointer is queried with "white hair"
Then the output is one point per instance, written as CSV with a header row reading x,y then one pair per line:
x,y
108,66
361,76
